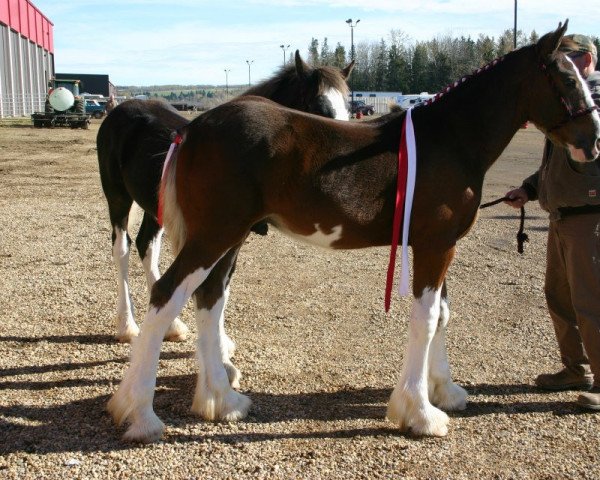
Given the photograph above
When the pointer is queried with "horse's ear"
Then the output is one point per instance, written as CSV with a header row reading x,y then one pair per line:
x,y
302,68
550,42
348,69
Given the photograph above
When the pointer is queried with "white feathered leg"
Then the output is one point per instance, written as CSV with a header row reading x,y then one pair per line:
x,y
228,346
126,326
409,405
214,398
133,399
443,392
177,331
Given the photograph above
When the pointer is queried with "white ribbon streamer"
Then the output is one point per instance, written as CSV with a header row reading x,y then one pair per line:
x,y
411,175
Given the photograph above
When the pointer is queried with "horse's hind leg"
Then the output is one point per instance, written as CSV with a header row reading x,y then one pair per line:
x,y
443,392
148,243
215,398
119,216
133,399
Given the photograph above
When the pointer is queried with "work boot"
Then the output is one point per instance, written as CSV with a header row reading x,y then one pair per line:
x,y
590,400
565,379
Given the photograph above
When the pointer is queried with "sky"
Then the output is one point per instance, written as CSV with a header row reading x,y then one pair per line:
x,y
190,42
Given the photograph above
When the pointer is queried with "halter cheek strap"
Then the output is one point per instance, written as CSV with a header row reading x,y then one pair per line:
x,y
571,115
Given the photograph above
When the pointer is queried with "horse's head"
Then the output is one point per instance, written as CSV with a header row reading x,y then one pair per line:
x,y
561,103
325,89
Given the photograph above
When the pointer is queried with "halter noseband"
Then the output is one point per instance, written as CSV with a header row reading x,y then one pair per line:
x,y
570,114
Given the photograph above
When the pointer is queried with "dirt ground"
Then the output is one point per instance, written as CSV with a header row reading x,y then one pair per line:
x,y
318,354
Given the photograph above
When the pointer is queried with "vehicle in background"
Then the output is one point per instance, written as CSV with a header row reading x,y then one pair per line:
x,y
64,106
94,108
412,100
360,107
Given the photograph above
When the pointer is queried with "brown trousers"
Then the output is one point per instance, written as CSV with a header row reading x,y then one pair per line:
x,y
573,290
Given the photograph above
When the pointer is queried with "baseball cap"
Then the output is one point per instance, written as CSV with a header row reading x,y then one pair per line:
x,y
578,43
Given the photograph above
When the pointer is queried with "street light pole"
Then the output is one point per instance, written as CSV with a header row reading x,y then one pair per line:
x,y
249,62
227,82
515,28
284,48
352,56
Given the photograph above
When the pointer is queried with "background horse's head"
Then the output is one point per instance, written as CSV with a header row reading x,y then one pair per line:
x,y
560,102
319,90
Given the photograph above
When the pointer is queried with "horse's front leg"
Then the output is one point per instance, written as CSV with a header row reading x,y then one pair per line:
x,y
409,406
443,392
215,398
148,243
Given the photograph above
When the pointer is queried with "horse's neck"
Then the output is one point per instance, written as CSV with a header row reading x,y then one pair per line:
x,y
481,116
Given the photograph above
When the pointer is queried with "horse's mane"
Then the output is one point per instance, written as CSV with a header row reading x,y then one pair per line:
x,y
323,78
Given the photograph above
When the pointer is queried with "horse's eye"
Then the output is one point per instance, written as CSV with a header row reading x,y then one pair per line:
x,y
571,83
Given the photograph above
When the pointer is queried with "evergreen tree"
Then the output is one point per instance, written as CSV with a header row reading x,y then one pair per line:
x,y
418,68
326,55
313,52
339,56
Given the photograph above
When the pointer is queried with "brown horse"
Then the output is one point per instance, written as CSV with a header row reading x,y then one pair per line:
x,y
333,184
133,141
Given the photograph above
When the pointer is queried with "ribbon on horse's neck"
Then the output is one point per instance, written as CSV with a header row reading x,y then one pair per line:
x,y
405,189
571,115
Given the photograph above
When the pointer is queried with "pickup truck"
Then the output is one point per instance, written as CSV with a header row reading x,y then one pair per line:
x,y
93,108
357,106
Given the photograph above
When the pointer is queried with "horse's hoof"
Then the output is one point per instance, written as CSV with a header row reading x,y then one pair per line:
x,y
449,397
177,332
231,407
148,431
233,374
127,333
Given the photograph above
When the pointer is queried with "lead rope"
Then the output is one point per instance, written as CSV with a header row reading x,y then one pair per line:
x,y
522,237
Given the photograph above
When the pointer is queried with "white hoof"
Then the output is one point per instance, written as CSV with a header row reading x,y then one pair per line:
x,y
127,330
148,430
231,407
177,332
422,419
233,374
145,426
449,397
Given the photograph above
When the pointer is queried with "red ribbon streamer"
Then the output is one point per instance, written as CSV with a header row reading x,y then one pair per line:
x,y
398,214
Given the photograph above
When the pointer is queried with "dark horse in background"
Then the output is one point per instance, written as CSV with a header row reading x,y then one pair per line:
x,y
132,144
334,184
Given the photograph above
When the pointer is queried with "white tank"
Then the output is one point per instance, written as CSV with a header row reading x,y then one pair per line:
x,y
61,99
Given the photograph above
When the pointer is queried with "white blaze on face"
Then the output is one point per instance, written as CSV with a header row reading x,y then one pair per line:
x,y
338,103
577,153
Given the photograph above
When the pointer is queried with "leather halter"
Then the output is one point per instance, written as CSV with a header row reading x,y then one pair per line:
x,y
571,115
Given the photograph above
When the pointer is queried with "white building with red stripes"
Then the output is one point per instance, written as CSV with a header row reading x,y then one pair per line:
x,y
26,58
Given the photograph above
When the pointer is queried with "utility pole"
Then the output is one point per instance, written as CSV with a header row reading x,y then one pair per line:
x,y
227,83
249,62
515,28
284,48
352,56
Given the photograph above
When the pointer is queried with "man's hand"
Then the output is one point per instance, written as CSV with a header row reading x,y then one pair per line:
x,y
518,197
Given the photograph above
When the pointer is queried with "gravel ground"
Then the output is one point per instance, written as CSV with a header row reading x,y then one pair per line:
x,y
318,354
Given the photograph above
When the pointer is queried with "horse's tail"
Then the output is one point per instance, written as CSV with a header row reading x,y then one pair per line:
x,y
170,216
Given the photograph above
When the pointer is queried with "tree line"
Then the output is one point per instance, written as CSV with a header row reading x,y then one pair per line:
x,y
400,65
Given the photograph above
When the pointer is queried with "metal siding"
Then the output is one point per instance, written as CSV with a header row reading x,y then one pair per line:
x,y
4,12
23,18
